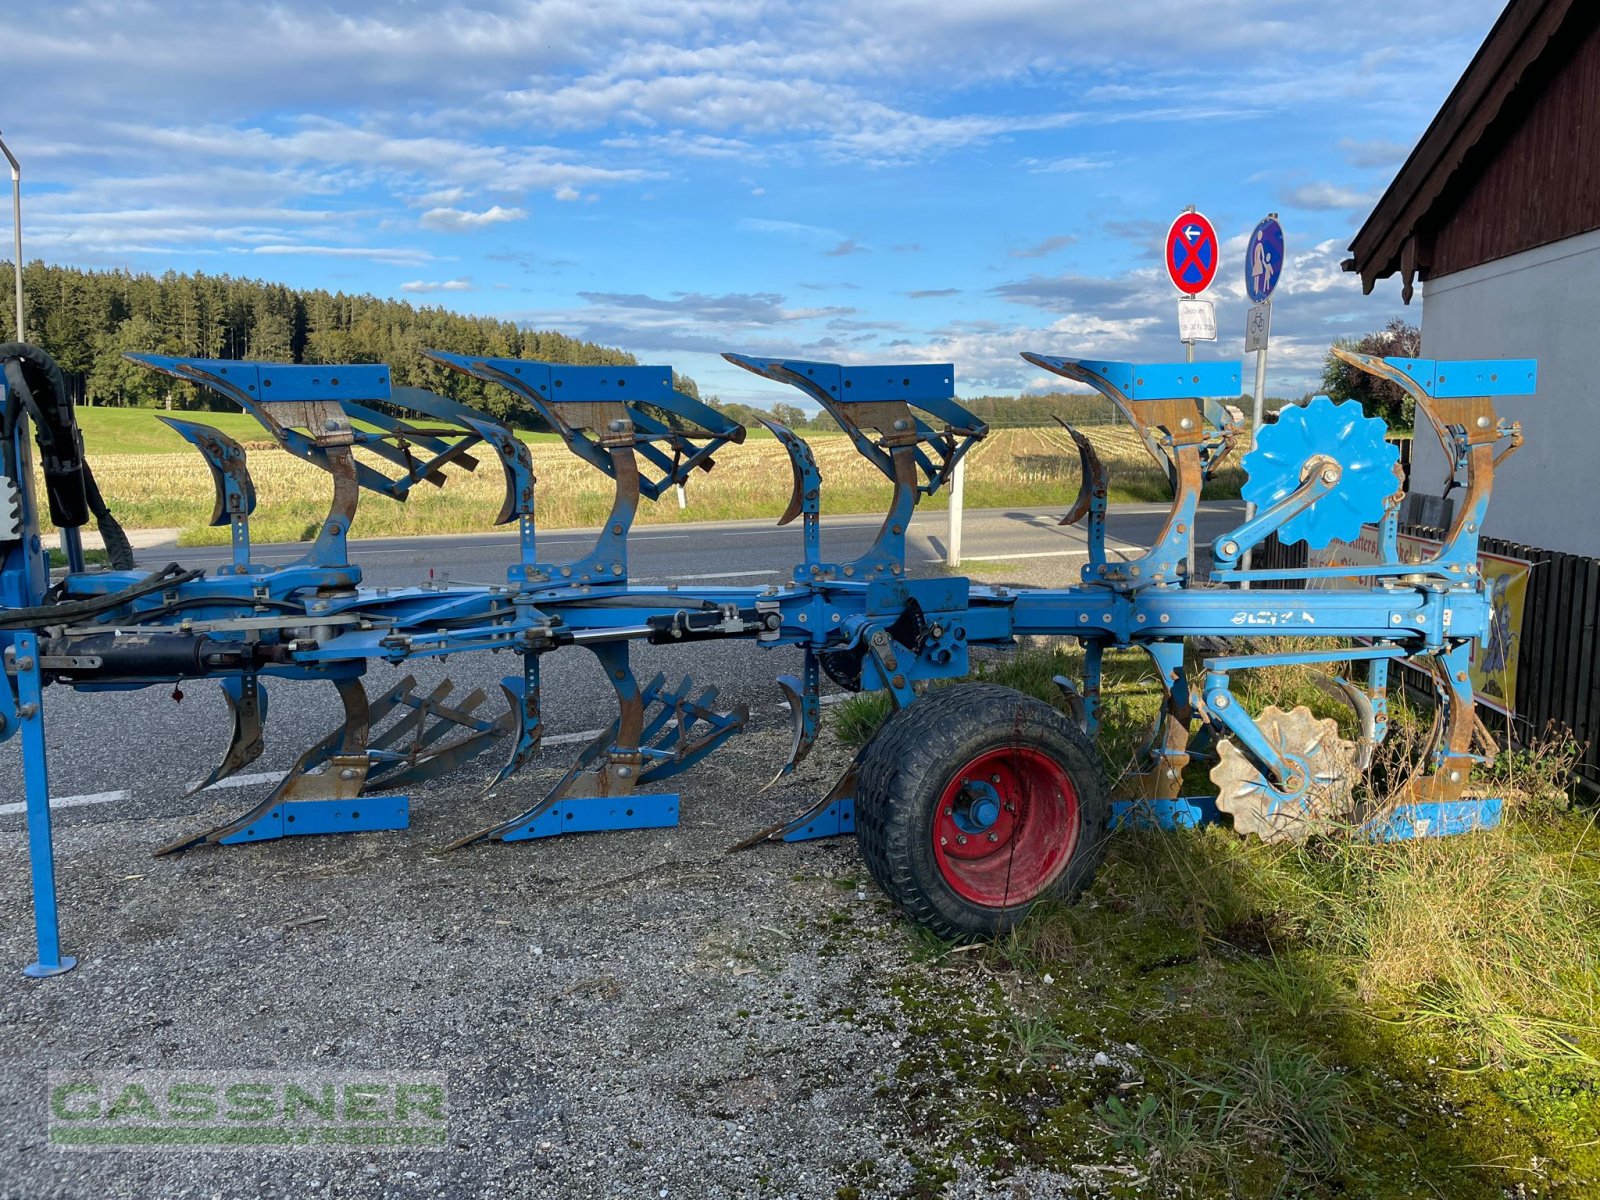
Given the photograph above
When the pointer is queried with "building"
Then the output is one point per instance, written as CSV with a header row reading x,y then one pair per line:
x,y
1497,213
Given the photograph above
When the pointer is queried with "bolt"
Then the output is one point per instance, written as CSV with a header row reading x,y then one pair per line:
x,y
1330,475
1230,548
27,710
1221,701
1483,422
949,812
961,839
1165,618
994,779
1186,423
994,837
944,841
1455,776
347,774
25,663
624,772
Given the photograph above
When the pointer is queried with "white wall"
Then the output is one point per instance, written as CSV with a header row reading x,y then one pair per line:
x,y
1544,304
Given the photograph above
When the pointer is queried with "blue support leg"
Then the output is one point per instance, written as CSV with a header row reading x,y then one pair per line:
x,y
36,781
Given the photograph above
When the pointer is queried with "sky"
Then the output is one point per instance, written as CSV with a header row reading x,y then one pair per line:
x,y
876,181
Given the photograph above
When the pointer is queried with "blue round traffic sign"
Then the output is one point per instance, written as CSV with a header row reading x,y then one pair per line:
x,y
1263,260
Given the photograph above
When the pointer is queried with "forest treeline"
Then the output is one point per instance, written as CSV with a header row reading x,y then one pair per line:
x,y
87,319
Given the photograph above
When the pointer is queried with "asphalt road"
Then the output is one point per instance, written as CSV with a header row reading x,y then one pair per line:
x,y
130,755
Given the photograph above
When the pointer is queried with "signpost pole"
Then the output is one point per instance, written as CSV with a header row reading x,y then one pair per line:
x,y
1263,267
958,487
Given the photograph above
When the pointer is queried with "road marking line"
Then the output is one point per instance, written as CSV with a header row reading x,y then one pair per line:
x,y
239,781
562,739
8,810
716,575
251,780
825,701
1009,557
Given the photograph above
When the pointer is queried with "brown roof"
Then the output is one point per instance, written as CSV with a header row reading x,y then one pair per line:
x,y
1464,136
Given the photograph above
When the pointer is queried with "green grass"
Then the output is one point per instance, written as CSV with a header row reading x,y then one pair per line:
x,y
1325,1019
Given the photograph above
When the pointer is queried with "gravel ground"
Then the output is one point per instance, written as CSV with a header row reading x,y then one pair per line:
x,y
635,1014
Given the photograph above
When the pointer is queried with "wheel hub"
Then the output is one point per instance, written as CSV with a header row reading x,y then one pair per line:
x,y
1005,826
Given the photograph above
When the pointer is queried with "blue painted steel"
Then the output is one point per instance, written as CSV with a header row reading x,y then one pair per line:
x,y
1460,378
1156,381
1188,812
1263,260
1449,818
315,620
1310,433
295,818
36,792
598,814
836,819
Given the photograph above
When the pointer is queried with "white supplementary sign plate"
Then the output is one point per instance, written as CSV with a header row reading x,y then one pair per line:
x,y
1197,321
1257,326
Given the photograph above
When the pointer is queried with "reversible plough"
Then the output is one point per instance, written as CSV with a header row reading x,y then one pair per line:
x,y
971,803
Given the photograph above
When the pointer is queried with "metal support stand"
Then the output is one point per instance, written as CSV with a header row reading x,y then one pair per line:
x,y
36,782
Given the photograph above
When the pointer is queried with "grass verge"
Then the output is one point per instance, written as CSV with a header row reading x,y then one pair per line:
x,y
1220,1017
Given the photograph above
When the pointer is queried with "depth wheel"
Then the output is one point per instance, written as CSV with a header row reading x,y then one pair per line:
x,y
977,802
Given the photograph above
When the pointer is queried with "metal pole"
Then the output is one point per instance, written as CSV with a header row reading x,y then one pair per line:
x,y
1188,356
1255,423
958,487
36,791
16,229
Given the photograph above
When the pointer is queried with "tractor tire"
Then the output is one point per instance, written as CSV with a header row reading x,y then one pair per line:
x,y
976,803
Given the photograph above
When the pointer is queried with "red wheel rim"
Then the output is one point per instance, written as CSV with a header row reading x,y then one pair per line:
x,y
1006,826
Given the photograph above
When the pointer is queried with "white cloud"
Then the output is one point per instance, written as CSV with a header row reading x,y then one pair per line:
x,y
462,284
568,194
395,256
460,220
1322,197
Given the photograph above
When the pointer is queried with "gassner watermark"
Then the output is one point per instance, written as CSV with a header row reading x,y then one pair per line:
x,y
329,1110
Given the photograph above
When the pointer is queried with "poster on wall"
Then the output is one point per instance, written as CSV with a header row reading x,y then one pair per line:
x,y
1494,662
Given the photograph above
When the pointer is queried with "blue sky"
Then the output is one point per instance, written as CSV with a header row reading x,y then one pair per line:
x,y
896,181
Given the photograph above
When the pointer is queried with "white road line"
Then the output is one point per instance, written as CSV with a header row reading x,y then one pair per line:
x,y
717,575
258,777
239,781
562,739
825,701
8,810
1009,557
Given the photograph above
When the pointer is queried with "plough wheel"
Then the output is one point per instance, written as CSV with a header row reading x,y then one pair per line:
x,y
975,803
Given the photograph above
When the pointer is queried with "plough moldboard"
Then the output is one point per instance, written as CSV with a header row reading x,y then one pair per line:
x,y
969,805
